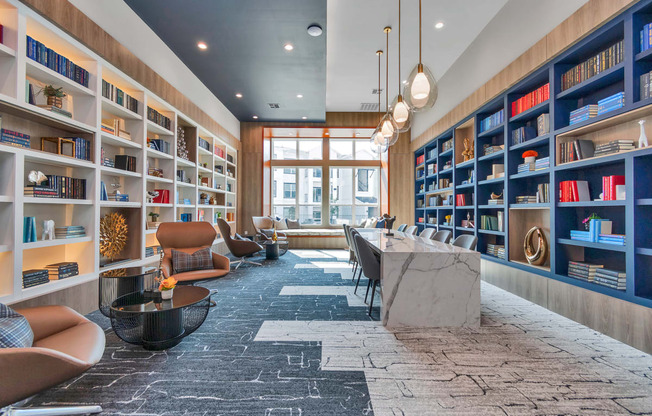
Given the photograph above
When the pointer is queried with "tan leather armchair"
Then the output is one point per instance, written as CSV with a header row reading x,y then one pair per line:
x,y
189,237
239,248
266,223
65,345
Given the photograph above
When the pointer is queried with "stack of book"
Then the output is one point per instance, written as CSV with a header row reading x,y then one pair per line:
x,y
531,99
496,250
492,121
111,92
583,271
495,201
576,150
160,145
489,222
14,138
41,191
70,231
118,197
574,191
543,124
583,113
158,118
63,270
420,159
525,167
597,227
615,239
526,199
152,250
447,145
115,127
35,277
611,103
523,134
542,163
611,186
158,172
125,162
543,193
614,146
645,86
604,60
108,162
58,63
493,148
611,278
432,154
203,144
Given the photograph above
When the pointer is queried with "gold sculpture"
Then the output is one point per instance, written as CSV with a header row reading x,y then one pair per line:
x,y
469,150
113,235
539,256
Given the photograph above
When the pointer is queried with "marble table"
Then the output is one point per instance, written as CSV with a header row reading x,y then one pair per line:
x,y
426,283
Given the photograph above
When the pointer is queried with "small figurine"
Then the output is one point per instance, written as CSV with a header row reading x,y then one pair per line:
x,y
151,195
212,200
469,151
37,177
642,140
48,230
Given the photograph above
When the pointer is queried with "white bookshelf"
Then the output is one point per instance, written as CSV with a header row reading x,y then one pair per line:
x,y
89,108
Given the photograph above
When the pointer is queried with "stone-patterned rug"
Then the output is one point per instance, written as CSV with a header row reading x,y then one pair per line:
x,y
291,339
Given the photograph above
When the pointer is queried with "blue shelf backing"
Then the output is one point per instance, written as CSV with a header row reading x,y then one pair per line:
x,y
631,217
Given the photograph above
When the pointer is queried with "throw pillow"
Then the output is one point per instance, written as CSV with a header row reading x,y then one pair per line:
x,y
380,224
363,224
269,232
201,259
280,225
15,331
371,223
293,225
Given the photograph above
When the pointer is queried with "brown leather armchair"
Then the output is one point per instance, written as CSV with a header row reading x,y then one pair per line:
x,y
266,223
189,237
65,345
239,248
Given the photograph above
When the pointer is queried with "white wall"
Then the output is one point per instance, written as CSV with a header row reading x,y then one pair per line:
x,y
119,21
516,27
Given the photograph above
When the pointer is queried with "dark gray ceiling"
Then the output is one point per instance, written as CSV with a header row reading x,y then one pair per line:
x,y
245,52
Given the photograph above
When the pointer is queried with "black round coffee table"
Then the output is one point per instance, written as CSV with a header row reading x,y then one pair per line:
x,y
158,324
119,282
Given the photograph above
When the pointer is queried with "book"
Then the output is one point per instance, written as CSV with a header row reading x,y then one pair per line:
x,y
543,124
492,121
158,118
609,184
531,99
118,96
47,57
609,57
56,110
574,191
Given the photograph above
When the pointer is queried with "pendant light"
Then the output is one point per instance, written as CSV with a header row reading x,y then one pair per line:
x,y
401,112
387,126
377,140
421,89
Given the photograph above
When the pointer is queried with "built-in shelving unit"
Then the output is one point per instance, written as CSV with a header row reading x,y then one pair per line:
x,y
629,216
90,110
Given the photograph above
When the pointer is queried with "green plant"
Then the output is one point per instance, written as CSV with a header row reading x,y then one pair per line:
x,y
593,216
154,216
50,91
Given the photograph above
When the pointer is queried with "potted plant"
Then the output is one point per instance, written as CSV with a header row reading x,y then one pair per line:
x,y
530,156
152,225
53,95
167,287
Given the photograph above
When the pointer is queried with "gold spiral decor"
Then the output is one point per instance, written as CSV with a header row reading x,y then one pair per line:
x,y
539,256
113,234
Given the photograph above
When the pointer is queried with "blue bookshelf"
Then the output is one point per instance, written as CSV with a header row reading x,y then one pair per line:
x,y
495,146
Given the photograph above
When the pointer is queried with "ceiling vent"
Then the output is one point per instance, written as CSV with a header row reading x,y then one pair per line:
x,y
368,106
377,91
273,105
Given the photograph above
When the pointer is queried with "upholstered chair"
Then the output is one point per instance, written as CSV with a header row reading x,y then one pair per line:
x,y
239,248
65,346
401,227
412,229
443,235
265,223
466,241
427,233
370,266
189,237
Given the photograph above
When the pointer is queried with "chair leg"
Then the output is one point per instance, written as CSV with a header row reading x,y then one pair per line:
x,y
373,291
355,269
367,292
242,261
54,411
358,282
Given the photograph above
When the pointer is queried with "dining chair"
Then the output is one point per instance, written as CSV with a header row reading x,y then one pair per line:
x,y
370,267
412,229
442,235
466,241
353,232
401,227
427,233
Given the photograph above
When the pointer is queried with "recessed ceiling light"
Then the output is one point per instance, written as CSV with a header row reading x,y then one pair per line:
x,y
314,30
299,95
238,95
202,45
288,46
255,117
304,118
439,25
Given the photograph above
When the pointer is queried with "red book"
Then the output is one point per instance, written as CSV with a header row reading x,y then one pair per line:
x,y
605,188
163,197
613,181
461,200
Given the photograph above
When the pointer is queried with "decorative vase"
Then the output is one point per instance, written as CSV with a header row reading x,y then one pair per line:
x,y
166,294
642,140
55,101
530,159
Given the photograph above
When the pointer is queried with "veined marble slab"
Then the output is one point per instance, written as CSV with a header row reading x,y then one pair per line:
x,y
426,283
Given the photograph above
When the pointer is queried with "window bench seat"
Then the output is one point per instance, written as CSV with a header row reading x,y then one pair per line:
x,y
315,238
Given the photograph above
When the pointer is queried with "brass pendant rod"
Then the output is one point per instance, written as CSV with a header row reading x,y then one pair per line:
x,y
419,31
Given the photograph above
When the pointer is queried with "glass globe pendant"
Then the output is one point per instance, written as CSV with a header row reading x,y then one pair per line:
x,y
387,131
421,90
401,113
377,141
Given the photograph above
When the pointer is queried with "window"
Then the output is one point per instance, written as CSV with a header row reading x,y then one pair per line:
x,y
351,149
296,149
355,194
301,194
289,190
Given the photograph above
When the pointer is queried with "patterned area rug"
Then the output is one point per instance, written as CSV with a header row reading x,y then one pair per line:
x,y
292,339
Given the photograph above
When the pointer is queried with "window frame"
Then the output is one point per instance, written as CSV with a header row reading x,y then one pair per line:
x,y
297,147
353,204
297,191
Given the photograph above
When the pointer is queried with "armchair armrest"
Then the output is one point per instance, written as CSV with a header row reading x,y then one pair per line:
x,y
166,267
221,262
49,320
